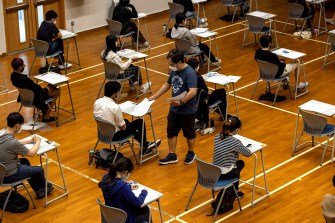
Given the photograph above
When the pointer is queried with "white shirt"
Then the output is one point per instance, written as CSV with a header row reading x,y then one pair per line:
x,y
114,58
106,109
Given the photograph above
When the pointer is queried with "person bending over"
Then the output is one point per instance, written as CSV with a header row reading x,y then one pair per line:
x,y
123,12
284,68
49,33
179,31
21,80
128,69
108,110
20,168
118,193
226,151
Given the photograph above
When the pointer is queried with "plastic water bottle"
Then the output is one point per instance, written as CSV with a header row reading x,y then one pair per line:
x,y
212,122
164,28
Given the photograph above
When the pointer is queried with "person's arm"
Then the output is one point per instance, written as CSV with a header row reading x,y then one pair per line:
x,y
191,38
132,10
161,91
56,33
34,149
119,121
242,149
190,94
131,198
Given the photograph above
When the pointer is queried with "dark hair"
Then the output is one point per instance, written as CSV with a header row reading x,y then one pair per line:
x,y
265,40
14,118
180,17
176,56
124,2
111,87
51,14
229,126
193,62
110,44
17,63
334,180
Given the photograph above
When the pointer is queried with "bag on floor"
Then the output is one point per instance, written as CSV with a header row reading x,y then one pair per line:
x,y
270,97
16,202
227,203
104,158
228,18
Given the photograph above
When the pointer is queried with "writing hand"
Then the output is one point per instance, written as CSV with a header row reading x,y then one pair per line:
x,y
37,139
151,98
134,186
134,58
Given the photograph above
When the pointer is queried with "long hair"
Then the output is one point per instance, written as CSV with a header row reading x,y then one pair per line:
x,y
229,126
110,44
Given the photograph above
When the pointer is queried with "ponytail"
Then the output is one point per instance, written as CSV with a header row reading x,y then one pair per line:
x,y
229,126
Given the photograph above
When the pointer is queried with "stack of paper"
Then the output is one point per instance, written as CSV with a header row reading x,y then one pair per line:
x,y
66,34
152,194
45,146
52,78
252,145
128,53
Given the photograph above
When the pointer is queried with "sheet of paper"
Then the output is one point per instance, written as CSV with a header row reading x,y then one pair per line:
x,y
131,108
67,34
45,146
291,54
319,107
263,15
221,79
141,15
152,194
198,1
178,97
252,145
128,53
52,78
198,30
206,34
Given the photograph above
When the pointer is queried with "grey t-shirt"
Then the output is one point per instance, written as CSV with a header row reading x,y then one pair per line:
x,y
10,148
182,81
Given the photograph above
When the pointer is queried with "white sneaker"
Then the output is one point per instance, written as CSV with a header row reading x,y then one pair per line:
x,y
302,85
203,25
146,43
203,20
62,67
218,62
145,87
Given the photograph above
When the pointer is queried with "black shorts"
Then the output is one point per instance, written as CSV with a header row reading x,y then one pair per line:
x,y
44,94
181,121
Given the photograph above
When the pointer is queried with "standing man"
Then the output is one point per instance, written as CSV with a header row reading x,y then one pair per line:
x,y
49,33
19,168
183,79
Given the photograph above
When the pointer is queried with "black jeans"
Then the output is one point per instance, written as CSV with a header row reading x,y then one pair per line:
x,y
234,173
205,51
133,27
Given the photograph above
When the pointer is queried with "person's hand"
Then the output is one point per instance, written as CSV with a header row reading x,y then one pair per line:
x,y
134,59
151,98
37,139
282,60
175,103
144,190
134,186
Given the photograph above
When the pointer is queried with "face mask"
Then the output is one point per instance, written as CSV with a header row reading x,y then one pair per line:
x,y
22,69
18,131
172,68
197,69
55,22
126,177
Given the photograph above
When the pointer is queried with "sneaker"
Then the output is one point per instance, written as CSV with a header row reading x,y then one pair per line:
x,y
203,25
170,158
240,194
302,85
146,152
216,62
151,145
190,156
145,87
203,20
146,43
62,67
41,194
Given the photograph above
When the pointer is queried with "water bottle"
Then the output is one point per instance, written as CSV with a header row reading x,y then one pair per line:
x,y
164,28
212,122
91,156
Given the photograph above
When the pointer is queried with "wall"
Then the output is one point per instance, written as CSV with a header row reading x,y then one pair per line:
x,y
2,30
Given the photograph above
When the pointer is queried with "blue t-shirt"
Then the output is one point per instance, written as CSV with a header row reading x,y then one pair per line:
x,y
182,81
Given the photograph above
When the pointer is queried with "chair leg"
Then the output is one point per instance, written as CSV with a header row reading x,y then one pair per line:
x,y
101,88
31,67
274,100
35,118
20,108
95,148
166,27
253,91
285,25
303,26
295,146
324,151
246,32
232,20
31,198
333,149
132,149
219,204
189,200
5,204
217,14
238,199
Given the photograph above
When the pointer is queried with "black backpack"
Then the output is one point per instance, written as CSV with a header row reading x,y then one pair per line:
x,y
227,203
104,158
16,202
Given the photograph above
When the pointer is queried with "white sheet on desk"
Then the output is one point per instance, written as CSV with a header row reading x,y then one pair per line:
x,y
152,194
128,53
44,146
255,146
29,126
319,107
137,110
52,78
66,33
198,30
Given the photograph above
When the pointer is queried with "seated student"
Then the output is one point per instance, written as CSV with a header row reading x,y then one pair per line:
x,y
328,204
227,149
21,80
308,10
189,11
123,12
118,193
106,109
109,54
266,55
49,33
179,31
20,168
218,94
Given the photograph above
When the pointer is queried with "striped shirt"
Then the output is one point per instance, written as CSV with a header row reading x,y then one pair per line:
x,y
226,152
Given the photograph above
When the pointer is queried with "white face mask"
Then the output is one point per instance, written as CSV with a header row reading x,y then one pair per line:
x,y
172,68
55,21
197,69
18,131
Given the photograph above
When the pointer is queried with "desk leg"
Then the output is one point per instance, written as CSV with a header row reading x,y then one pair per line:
x,y
141,146
59,108
153,133
75,43
275,31
235,99
46,179
227,101
138,33
61,171
147,74
264,173
146,31
300,67
295,132
327,52
198,15
209,53
160,210
254,181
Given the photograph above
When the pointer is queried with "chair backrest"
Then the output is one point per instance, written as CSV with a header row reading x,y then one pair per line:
x,y
183,45
2,172
267,71
332,41
26,97
313,123
175,8
115,27
106,130
256,24
295,10
231,2
329,220
41,47
111,215
112,70
208,174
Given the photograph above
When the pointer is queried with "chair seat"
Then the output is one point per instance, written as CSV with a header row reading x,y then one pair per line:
x,y
213,105
14,184
54,54
222,183
302,18
123,140
329,128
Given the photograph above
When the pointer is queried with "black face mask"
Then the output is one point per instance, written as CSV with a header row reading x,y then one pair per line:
x,y
22,69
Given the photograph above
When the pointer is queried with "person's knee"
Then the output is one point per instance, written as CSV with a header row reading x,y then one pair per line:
x,y
240,164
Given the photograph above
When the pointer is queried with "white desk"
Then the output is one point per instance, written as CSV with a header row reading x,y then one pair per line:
x,y
45,147
198,3
207,34
314,106
265,16
331,35
322,15
131,108
67,35
127,53
151,197
139,17
299,58
56,80
216,78
255,147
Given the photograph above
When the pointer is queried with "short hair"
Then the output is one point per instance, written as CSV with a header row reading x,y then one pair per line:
x,y
265,40
111,87
334,180
14,118
176,56
193,62
17,63
180,17
124,2
51,14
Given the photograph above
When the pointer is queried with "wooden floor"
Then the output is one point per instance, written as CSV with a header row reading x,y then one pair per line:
x,y
297,184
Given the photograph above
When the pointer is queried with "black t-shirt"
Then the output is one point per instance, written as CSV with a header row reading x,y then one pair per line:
x,y
270,57
47,31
